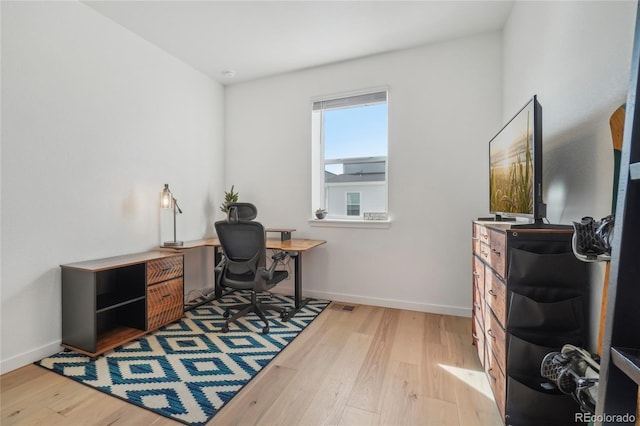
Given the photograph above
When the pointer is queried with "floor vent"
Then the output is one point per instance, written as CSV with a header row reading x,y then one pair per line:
x,y
341,307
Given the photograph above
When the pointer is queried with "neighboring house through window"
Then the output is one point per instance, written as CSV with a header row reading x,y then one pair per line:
x,y
353,204
350,167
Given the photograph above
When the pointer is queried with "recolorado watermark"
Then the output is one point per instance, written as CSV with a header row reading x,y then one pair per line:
x,y
604,418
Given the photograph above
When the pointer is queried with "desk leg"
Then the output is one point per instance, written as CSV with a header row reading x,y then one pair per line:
x,y
217,293
299,302
217,257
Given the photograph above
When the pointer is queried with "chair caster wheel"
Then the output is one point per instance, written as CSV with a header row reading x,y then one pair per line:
x,y
226,314
265,329
225,328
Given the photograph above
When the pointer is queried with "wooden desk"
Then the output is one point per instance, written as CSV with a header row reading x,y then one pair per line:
x,y
295,247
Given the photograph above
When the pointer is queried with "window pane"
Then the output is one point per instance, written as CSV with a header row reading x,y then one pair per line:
x,y
353,198
355,132
353,210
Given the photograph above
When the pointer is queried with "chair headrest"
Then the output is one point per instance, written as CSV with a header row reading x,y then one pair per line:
x,y
241,211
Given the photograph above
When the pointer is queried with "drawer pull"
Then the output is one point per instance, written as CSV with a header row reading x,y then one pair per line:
x,y
490,333
475,336
166,295
491,292
168,268
474,238
476,273
496,252
485,236
494,378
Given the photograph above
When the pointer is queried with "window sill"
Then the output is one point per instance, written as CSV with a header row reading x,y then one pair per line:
x,y
351,223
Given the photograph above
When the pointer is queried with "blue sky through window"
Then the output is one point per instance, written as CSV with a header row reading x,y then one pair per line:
x,y
355,132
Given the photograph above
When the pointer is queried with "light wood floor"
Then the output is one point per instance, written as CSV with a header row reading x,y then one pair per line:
x,y
369,366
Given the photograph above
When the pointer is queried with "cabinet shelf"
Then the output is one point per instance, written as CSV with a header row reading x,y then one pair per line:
x,y
627,360
110,301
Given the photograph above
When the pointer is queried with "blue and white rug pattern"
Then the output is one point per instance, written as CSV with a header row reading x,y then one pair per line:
x,y
189,369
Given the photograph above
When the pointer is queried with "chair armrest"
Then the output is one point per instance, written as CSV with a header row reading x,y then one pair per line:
x,y
218,268
277,257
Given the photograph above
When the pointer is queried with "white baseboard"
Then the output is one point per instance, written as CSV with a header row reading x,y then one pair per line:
x,y
25,358
385,303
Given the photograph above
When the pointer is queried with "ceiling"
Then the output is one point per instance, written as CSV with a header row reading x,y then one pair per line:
x,y
254,39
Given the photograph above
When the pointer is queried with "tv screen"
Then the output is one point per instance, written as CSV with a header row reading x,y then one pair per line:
x,y
515,166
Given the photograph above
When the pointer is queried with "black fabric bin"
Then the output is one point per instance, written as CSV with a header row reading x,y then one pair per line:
x,y
563,315
524,357
547,270
532,401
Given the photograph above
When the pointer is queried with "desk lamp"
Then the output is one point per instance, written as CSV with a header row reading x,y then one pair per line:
x,y
168,201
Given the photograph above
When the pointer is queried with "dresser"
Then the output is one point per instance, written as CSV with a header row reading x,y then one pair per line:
x,y
109,302
529,298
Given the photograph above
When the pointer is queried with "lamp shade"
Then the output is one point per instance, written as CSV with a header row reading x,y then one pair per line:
x,y
166,198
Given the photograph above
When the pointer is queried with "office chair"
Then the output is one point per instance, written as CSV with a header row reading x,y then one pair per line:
x,y
243,265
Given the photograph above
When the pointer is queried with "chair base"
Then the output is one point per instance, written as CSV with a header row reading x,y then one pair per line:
x,y
256,307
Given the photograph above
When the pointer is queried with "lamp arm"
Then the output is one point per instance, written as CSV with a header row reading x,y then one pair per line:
x,y
175,204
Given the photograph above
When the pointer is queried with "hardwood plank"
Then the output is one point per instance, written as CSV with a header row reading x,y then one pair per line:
x,y
248,407
330,401
368,386
402,401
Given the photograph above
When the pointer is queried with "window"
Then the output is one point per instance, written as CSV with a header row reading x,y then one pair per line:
x,y
349,164
353,204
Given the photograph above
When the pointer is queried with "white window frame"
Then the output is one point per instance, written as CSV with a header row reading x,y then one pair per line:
x,y
318,196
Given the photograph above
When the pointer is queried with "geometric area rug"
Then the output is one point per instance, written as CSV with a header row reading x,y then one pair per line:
x,y
188,370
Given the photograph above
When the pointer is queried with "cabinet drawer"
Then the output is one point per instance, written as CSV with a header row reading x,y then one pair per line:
x,y
495,336
498,252
165,303
164,269
478,338
495,295
478,274
480,236
497,379
478,303
481,233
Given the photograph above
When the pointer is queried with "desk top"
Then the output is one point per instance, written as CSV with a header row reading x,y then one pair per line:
x,y
294,244
98,265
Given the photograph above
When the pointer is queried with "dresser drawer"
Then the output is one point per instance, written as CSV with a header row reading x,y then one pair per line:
x,y
495,336
481,233
498,252
495,295
480,236
165,303
478,338
164,269
478,303
478,274
497,380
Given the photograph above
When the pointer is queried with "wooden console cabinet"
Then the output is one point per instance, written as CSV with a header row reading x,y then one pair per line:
x,y
529,298
108,302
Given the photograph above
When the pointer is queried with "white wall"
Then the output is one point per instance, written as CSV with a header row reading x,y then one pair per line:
x,y
94,121
444,105
576,56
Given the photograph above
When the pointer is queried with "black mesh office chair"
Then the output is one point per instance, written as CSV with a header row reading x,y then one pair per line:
x,y
243,265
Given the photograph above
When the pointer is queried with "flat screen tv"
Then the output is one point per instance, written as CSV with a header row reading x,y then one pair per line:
x,y
515,167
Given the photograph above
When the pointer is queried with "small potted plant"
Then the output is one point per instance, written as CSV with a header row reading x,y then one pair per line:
x,y
229,198
321,213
